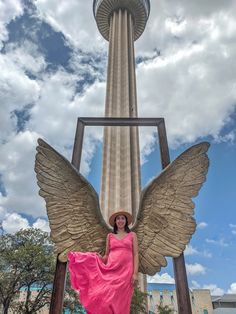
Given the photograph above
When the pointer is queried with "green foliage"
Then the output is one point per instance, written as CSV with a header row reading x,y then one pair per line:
x,y
164,309
139,302
71,300
26,263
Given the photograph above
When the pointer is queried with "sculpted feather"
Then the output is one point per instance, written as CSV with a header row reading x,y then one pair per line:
x,y
165,222
72,204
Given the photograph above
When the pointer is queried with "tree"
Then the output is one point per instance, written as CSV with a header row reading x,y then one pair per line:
x,y
139,302
71,300
164,309
26,263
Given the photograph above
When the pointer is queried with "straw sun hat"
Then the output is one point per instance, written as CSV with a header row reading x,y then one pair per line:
x,y
121,212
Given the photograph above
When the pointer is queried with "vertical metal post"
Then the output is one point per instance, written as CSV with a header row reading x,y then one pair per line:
x,y
56,305
182,290
163,144
78,144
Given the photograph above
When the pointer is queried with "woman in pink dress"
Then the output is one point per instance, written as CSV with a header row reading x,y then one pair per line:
x,y
105,284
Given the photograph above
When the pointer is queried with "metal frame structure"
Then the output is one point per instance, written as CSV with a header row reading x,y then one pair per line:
x,y
182,290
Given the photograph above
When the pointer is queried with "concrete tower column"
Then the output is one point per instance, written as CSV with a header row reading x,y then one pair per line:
x,y
120,182
121,22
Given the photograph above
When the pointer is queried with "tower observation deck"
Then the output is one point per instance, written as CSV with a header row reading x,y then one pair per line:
x,y
121,22
139,10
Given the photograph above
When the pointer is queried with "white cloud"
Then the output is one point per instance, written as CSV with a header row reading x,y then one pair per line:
x,y
184,83
171,24
185,122
202,225
195,285
75,19
214,289
228,138
18,153
16,91
85,64
54,108
14,222
56,126
220,242
164,278
195,269
233,228
59,89
207,254
17,168
232,288
190,250
26,57
147,143
41,224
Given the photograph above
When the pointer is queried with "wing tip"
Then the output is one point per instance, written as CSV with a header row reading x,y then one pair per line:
x,y
199,148
41,141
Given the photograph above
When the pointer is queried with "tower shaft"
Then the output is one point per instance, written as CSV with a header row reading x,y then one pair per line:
x,y
120,182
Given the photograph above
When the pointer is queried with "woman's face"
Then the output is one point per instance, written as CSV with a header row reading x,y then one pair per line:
x,y
120,221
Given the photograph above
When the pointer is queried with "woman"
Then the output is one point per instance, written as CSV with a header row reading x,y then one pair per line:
x,y
106,284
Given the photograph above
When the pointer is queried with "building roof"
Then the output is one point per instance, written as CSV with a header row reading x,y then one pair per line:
x,y
224,298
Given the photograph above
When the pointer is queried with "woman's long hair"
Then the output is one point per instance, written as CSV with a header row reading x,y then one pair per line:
x,y
127,229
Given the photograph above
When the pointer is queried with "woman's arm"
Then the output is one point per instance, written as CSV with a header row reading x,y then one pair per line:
x,y
136,259
105,257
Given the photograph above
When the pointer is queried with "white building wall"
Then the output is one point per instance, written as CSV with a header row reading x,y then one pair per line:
x,y
200,301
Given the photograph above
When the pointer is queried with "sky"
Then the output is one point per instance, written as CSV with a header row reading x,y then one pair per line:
x,y
53,69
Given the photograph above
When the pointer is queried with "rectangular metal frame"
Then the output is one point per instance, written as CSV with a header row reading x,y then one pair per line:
x,y
182,291
86,121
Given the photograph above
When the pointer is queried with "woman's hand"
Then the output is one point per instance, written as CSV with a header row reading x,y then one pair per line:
x,y
103,258
134,279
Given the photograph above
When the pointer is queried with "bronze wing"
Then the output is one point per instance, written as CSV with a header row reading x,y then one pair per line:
x,y
165,222
72,204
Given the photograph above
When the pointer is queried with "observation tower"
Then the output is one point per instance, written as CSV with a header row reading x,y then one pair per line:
x,y
121,22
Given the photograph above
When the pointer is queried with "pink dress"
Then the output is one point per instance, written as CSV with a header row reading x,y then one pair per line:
x,y
104,288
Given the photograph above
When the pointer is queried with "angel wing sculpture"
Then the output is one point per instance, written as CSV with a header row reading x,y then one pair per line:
x,y
164,224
